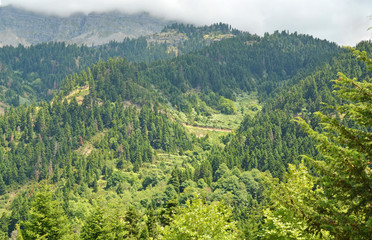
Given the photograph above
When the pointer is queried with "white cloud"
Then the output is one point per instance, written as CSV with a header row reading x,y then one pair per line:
x,y
342,21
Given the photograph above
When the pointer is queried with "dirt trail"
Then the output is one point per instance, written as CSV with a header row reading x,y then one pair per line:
x,y
208,128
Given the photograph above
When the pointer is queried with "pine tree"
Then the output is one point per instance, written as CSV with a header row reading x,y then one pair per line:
x,y
19,233
144,234
3,188
151,223
346,175
168,212
174,180
94,227
132,219
47,218
95,185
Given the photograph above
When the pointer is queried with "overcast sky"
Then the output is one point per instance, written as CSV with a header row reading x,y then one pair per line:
x,y
345,22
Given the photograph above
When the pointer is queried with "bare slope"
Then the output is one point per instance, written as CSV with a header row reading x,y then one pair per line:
x,y
23,27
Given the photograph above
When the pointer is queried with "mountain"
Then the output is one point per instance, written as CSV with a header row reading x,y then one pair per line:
x,y
201,83
33,73
19,26
139,139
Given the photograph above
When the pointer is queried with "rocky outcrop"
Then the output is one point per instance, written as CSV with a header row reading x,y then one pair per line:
x,y
18,26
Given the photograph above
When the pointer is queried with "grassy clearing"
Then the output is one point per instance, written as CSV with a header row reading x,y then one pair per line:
x,y
88,147
245,104
78,94
214,135
3,106
217,36
167,160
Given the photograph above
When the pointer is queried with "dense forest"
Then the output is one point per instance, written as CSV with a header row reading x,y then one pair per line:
x,y
121,141
31,74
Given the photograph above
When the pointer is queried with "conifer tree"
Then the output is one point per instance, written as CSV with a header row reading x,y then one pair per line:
x,y
3,188
47,217
346,175
174,180
151,223
95,226
132,219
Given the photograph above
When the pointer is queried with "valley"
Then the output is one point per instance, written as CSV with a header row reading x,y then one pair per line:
x,y
253,137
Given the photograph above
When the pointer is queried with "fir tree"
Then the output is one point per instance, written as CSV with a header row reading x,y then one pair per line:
x,y
95,226
3,188
132,219
47,218
346,175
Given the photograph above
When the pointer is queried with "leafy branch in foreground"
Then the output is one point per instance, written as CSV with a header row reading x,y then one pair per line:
x,y
291,204
200,221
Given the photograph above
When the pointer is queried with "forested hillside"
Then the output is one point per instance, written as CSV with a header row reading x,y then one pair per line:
x,y
271,140
31,74
129,148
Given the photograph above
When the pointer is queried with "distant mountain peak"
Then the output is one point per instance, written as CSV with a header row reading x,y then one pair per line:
x,y
18,26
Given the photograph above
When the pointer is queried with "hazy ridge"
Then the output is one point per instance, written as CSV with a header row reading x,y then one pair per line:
x,y
19,26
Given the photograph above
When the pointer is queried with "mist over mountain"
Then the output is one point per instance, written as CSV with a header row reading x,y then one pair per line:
x,y
141,138
342,21
24,27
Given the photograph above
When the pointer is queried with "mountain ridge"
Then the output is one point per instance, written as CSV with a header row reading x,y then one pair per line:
x,y
18,26
133,134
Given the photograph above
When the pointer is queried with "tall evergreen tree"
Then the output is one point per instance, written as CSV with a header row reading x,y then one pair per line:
x,y
132,220
346,175
95,226
3,188
47,217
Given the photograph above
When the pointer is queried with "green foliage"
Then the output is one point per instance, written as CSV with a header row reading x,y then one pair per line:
x,y
291,201
19,233
95,227
345,175
201,221
47,217
33,73
109,138
132,219
169,211
237,64
100,225
226,106
3,188
271,140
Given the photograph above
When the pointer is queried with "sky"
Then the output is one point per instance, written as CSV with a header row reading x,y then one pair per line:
x,y
345,22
